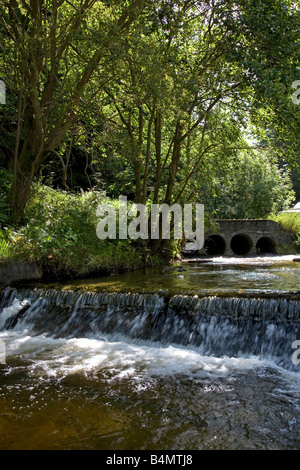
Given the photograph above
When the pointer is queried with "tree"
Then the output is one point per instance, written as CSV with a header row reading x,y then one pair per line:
x,y
172,76
171,82
191,76
249,186
273,70
54,48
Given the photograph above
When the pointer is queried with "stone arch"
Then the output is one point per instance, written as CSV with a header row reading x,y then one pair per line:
x,y
266,245
215,245
241,244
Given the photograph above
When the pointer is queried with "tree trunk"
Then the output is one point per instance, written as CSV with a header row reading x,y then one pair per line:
x,y
28,157
157,128
138,182
148,155
173,169
48,47
24,174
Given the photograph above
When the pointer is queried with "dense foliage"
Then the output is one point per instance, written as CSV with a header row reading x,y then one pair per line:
x,y
59,232
259,187
168,101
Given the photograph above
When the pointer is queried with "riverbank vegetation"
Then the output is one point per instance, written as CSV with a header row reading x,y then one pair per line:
x,y
290,221
58,232
163,101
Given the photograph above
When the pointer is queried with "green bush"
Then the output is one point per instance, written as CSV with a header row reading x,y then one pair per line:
x,y
290,221
59,233
251,186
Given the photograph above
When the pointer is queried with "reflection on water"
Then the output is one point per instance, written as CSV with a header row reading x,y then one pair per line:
x,y
268,273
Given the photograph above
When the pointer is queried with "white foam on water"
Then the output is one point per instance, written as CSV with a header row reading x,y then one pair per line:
x,y
254,259
58,358
25,345
11,311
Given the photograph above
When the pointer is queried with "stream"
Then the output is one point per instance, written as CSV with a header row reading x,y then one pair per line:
x,y
197,355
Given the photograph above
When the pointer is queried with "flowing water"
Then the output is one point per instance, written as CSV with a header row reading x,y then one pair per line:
x,y
193,356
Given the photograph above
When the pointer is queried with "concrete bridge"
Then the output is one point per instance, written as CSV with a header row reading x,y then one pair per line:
x,y
245,237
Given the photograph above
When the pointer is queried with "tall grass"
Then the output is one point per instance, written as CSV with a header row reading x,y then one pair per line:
x,y
290,221
5,248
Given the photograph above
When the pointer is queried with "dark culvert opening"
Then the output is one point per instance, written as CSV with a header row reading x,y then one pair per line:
x,y
241,244
215,245
265,245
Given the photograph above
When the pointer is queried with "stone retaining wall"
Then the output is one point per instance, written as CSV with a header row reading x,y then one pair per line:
x,y
19,271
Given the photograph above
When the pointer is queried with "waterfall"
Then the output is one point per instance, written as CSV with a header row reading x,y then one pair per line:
x,y
216,326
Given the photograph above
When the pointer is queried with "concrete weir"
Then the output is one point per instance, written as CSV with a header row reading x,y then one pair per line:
x,y
245,237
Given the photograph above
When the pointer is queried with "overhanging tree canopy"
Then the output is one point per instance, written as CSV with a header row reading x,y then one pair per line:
x,y
177,79
51,50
